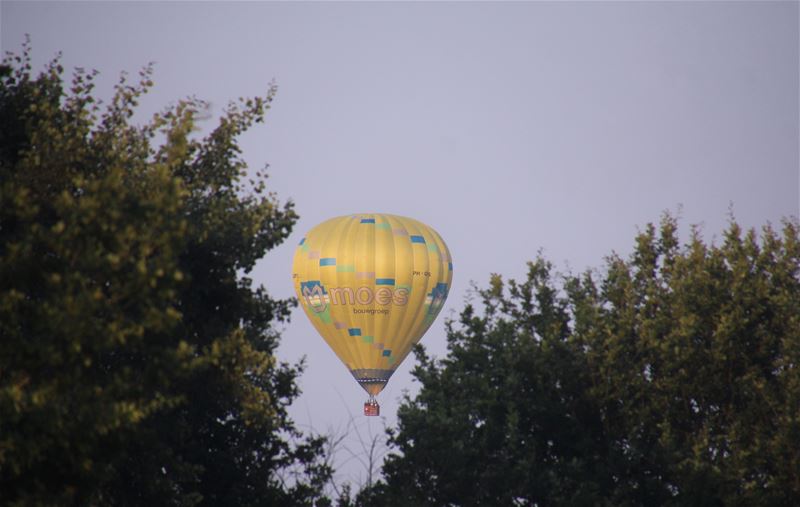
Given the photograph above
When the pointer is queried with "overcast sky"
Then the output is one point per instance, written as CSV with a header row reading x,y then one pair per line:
x,y
507,127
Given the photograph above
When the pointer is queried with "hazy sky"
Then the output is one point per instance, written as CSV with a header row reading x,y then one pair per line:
x,y
508,127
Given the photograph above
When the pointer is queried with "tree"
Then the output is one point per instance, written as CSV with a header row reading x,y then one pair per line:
x,y
670,378
367,450
136,361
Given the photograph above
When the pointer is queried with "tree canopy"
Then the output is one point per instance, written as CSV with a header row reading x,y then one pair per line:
x,y
668,378
136,358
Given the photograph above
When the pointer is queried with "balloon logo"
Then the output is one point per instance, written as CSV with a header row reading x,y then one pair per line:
x,y
372,284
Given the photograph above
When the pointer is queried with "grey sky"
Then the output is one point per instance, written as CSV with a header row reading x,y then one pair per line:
x,y
508,127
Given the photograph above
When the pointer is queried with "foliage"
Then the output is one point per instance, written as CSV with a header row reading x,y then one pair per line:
x,y
671,378
136,361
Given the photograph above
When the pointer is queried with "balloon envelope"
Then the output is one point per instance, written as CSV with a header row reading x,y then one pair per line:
x,y
372,284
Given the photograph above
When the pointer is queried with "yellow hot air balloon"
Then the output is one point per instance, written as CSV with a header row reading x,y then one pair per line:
x,y
372,284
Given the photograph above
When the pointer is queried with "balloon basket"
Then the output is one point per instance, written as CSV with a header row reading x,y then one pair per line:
x,y
371,407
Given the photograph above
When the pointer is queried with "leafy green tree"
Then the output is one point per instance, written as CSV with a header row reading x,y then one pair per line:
x,y
670,378
136,360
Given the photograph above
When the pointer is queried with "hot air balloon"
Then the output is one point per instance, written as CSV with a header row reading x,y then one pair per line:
x,y
372,284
